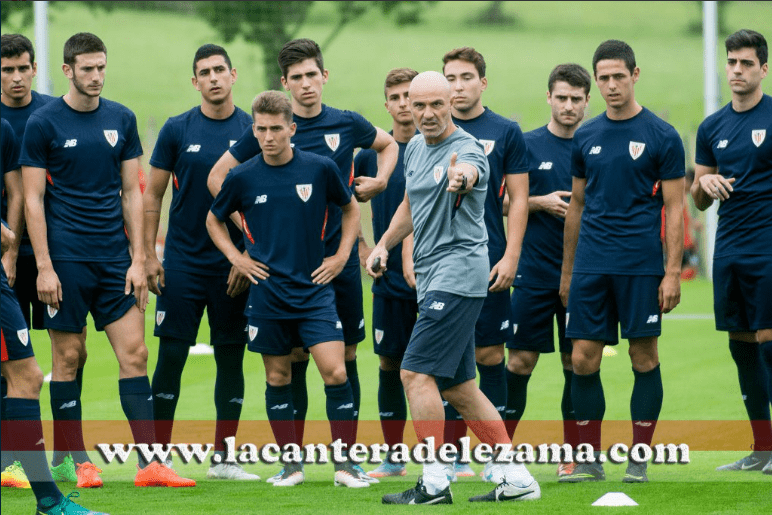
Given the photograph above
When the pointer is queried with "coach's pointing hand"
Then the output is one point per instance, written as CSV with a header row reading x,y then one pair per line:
x,y
456,177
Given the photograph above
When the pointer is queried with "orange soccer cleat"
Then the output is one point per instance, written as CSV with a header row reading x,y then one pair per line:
x,y
157,474
88,475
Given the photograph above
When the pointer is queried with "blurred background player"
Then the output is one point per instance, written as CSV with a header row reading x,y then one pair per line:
x,y
613,265
80,160
395,308
335,134
290,299
195,275
536,298
505,149
734,166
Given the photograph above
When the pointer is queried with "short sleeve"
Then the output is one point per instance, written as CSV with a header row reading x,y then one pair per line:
x,y
577,160
133,147
473,154
34,147
704,154
516,157
364,132
166,148
366,163
246,147
10,149
337,192
672,158
226,202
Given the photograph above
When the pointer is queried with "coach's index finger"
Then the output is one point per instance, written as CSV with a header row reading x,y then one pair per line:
x,y
453,158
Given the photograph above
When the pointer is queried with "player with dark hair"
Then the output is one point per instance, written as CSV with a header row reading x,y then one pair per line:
x,y
282,195
536,298
331,133
80,160
194,274
626,163
394,298
505,148
734,166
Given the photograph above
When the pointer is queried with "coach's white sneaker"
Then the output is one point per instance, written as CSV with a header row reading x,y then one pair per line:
x,y
230,471
493,473
511,492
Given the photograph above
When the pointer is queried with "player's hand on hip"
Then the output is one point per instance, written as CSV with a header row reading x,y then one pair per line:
x,y
329,270
366,188
156,278
49,287
455,175
376,262
565,285
237,283
251,269
503,273
716,186
137,280
555,205
669,292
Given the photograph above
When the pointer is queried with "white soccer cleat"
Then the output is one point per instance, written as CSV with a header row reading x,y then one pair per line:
x,y
349,478
231,471
291,475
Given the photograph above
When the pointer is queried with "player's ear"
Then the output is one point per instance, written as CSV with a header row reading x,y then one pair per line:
x,y
284,83
484,82
293,127
67,70
34,69
234,75
549,97
194,81
764,69
325,76
636,74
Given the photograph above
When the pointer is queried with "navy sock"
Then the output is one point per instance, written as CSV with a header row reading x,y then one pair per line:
x,y
340,412
137,403
172,355
6,457
79,379
751,375
455,427
68,422
493,383
300,397
353,378
517,394
645,404
589,406
278,406
228,391
25,426
765,350
570,434
392,406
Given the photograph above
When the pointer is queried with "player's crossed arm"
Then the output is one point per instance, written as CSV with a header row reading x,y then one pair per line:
x,y
387,149
709,185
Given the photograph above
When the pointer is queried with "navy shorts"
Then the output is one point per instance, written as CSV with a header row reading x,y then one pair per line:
x,y
96,287
533,312
393,321
180,308
598,302
348,302
742,293
493,326
442,343
15,337
278,336
26,289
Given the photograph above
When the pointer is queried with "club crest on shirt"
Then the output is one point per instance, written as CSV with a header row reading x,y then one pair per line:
x,y
332,140
636,149
159,317
438,170
378,335
488,145
231,142
111,137
23,335
252,332
758,136
52,311
304,191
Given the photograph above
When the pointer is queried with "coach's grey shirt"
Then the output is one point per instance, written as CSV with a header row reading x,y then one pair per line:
x,y
451,243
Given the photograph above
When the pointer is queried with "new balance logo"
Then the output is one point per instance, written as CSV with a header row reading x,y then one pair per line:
x,y
438,306
349,405
70,143
722,143
545,165
582,422
68,405
643,424
510,411
595,150
361,323
280,406
261,199
236,400
386,413
167,396
193,148
504,325
653,319
500,408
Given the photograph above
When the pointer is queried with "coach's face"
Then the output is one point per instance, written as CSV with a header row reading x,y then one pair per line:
x,y
305,81
615,82
214,79
568,103
465,84
743,71
273,132
430,105
17,73
87,74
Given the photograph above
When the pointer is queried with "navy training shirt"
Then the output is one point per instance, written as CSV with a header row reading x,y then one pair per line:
x,y
505,148
623,162
332,133
188,146
391,284
549,163
10,159
740,146
283,211
83,152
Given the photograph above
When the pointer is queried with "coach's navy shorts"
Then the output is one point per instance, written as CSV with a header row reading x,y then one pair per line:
x,y
533,311
90,286
598,302
348,302
493,326
393,321
26,289
180,308
15,338
442,343
742,293
278,336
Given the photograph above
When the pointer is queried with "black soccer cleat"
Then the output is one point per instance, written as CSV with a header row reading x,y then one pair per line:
x,y
418,495
753,461
635,473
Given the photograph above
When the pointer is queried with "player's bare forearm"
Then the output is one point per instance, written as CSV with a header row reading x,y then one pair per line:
x,y
152,201
363,248
349,228
34,181
408,266
14,193
218,232
220,171
701,199
131,200
571,236
670,288
400,227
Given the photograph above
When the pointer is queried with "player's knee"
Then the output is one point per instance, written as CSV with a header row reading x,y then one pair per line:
x,y
489,356
350,352
278,377
334,375
522,363
66,360
134,361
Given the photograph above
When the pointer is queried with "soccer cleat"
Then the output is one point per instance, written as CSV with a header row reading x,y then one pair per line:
x,y
65,471
347,475
88,475
492,474
156,474
65,506
274,478
584,472
768,467
566,469
364,476
388,469
419,495
505,491
292,474
463,470
230,471
753,461
14,477
635,473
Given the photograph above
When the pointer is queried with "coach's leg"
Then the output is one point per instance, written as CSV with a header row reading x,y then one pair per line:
x,y
646,399
587,390
519,369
